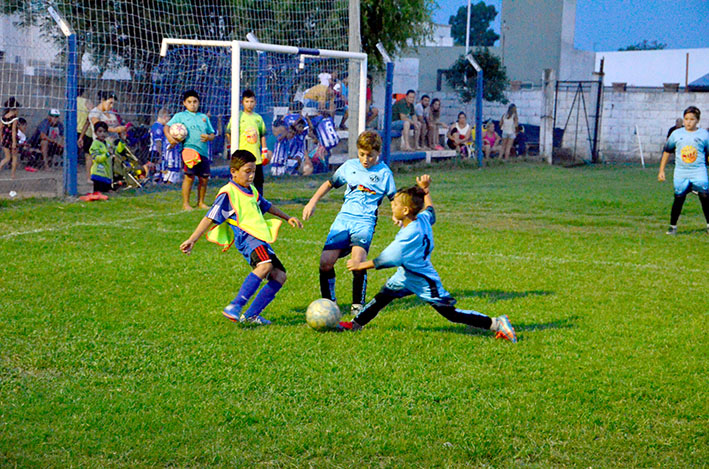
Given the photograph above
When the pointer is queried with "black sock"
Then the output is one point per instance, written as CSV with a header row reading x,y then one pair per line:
x,y
677,208
372,308
704,200
461,316
359,287
327,284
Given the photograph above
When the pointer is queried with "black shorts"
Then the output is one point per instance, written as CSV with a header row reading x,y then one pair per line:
x,y
261,255
201,169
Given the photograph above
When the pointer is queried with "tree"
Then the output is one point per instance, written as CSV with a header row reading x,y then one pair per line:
x,y
462,77
481,15
645,45
394,23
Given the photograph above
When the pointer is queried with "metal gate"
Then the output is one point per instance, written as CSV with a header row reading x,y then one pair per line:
x,y
577,111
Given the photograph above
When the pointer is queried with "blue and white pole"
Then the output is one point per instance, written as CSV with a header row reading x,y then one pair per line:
x,y
478,107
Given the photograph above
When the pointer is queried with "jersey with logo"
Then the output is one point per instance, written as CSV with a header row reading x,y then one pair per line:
x,y
365,188
197,124
251,129
690,149
326,132
157,134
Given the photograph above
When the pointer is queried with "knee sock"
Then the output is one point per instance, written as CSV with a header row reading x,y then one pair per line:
x,y
677,209
359,287
264,297
465,316
248,288
704,200
327,284
372,308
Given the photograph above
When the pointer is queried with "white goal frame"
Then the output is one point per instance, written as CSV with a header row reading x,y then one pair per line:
x,y
236,47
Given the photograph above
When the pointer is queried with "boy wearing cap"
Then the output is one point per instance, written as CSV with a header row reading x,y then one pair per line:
x,y
50,137
195,151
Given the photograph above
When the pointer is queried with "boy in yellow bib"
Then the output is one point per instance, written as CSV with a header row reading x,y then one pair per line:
x,y
236,218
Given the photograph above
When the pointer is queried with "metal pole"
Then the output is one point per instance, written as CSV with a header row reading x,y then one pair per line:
x,y
357,114
70,146
599,96
386,153
235,95
467,30
479,118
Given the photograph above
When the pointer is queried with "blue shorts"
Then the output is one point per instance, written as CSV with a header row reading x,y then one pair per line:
x,y
255,251
346,232
397,125
686,182
430,290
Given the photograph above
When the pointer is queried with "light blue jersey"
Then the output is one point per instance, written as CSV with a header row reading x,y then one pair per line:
x,y
411,253
690,149
365,188
197,124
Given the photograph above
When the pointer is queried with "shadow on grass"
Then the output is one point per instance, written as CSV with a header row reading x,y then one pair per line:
x,y
566,323
494,296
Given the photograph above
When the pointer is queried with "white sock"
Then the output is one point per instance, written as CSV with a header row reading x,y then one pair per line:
x,y
495,326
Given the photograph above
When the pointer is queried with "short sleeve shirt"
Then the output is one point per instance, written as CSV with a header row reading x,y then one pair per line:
x,y
365,188
251,129
197,124
51,131
402,107
157,134
690,149
412,247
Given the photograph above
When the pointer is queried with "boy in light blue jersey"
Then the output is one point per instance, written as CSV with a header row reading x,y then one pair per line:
x,y
412,209
691,147
368,182
195,150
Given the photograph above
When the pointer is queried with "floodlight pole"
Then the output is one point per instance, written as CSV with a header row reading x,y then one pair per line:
x,y
478,108
70,146
467,31
389,90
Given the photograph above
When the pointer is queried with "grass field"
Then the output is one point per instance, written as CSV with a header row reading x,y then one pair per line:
x,y
113,351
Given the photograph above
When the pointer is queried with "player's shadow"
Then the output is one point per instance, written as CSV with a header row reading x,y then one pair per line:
x,y
565,323
493,296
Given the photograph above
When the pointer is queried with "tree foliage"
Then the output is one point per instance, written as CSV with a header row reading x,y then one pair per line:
x,y
394,22
645,45
462,77
481,15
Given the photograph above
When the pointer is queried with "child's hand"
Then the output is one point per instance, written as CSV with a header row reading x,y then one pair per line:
x,y
397,222
308,210
353,264
294,222
186,246
423,181
661,175
204,137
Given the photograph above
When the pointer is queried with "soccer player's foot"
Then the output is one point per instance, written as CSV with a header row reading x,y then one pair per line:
x,y
203,206
258,319
233,313
504,329
348,326
672,230
355,309
187,208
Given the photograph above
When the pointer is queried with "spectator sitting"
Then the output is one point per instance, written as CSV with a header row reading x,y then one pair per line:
x,y
372,112
433,117
321,96
421,110
49,137
520,143
459,134
403,117
492,142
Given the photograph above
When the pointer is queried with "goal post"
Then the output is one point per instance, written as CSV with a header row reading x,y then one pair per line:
x,y
236,48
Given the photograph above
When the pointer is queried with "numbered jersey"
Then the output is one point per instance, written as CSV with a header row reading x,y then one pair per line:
x,y
411,249
325,129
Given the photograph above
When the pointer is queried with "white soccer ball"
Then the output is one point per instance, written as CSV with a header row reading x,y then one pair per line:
x,y
323,314
178,131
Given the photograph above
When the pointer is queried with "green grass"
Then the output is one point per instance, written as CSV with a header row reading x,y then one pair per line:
x,y
113,352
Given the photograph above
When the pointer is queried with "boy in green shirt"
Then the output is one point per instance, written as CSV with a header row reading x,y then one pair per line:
x,y
252,135
102,165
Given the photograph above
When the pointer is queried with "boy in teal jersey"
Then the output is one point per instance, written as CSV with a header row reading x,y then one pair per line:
x,y
412,209
236,219
691,147
252,135
368,181
195,150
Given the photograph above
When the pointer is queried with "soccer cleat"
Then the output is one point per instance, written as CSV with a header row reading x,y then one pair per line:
x,y
258,319
355,309
348,326
504,329
233,313
672,230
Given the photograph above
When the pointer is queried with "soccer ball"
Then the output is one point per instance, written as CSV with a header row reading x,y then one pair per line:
x,y
323,314
178,131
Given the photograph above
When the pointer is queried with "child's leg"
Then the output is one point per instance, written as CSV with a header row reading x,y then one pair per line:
x,y
202,192
677,208
464,316
276,280
704,200
359,280
186,189
371,309
15,160
7,158
327,273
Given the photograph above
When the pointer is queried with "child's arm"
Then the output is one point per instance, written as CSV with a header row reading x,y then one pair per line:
x,y
424,182
207,137
292,221
663,162
309,208
354,264
166,130
203,226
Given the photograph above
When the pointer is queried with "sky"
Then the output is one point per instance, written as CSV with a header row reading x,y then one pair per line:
x,y
680,25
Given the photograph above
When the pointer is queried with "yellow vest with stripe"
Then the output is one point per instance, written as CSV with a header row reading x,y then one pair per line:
x,y
248,218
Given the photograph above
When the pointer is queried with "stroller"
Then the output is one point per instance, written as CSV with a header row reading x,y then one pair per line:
x,y
127,170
